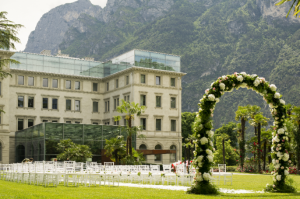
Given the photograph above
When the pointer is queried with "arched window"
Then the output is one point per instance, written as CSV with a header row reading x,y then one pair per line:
x,y
143,147
158,156
0,151
173,155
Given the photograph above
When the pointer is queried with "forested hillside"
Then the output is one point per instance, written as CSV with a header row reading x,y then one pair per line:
x,y
213,38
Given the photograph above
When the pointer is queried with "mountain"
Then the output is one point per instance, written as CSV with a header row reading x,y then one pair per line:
x,y
213,37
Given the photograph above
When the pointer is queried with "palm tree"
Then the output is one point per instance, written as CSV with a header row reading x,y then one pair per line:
x,y
253,110
114,148
130,110
260,120
266,136
242,114
8,35
224,137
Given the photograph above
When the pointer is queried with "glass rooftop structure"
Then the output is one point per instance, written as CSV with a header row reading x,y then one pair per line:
x,y
40,141
81,67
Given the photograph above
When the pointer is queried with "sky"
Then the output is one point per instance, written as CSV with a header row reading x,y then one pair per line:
x,y
29,12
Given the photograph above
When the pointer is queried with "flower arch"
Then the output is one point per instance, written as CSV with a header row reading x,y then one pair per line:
x,y
202,128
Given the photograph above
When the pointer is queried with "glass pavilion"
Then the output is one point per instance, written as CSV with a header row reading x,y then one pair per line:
x,y
76,66
40,141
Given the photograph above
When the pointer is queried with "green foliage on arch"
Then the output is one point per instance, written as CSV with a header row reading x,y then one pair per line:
x,y
202,128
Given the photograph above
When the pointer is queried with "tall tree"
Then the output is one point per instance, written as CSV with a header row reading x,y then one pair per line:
x,y
8,36
130,110
187,120
223,137
229,129
242,114
260,120
227,152
266,136
253,110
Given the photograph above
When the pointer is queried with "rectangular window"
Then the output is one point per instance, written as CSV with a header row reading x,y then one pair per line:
x,y
54,104
143,123
158,157
95,123
128,98
107,86
21,101
95,87
124,122
77,85
45,103
95,107
143,100
68,84
54,121
68,122
20,124
77,105
116,103
158,101
157,80
30,122
77,122
68,105
54,83
116,123
21,80
107,106
143,79
45,82
30,81
158,124
173,125
30,102
173,82
127,80
173,102
45,120
117,83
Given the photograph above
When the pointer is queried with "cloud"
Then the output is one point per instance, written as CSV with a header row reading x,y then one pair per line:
x,y
29,12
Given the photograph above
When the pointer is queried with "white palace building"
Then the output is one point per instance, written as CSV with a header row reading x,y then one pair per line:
x,y
77,95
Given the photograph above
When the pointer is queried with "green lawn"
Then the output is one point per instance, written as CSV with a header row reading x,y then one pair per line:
x,y
248,182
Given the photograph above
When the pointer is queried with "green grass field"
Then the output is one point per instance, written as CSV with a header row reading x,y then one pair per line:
x,y
247,182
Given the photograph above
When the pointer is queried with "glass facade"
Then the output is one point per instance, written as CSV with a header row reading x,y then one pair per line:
x,y
40,141
76,66
149,59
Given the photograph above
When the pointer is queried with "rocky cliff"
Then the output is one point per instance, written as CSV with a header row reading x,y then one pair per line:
x,y
53,26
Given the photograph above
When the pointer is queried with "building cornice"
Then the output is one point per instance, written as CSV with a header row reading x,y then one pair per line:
x,y
6,52
156,86
128,70
54,74
141,69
